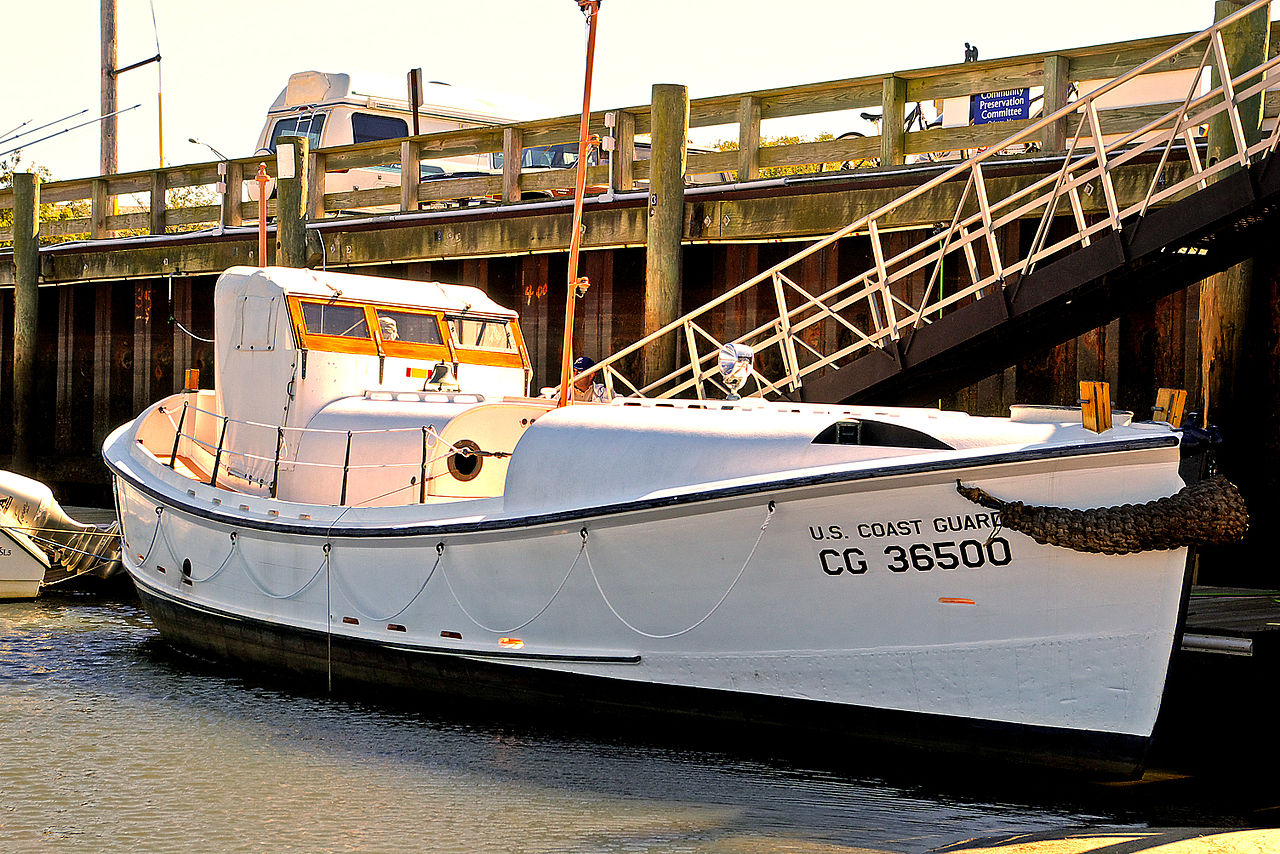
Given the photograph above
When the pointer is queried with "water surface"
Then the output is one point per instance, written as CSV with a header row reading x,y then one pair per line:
x,y
111,742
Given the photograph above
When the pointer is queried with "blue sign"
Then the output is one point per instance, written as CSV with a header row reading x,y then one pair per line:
x,y
1003,106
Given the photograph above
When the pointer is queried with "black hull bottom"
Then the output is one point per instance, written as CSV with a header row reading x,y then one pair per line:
x,y
849,737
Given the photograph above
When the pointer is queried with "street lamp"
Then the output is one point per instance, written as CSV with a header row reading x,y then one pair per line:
x,y
216,152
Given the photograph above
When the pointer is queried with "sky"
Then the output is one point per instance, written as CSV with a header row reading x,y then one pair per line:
x,y
224,61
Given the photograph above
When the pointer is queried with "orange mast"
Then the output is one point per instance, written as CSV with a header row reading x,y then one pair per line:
x,y
578,286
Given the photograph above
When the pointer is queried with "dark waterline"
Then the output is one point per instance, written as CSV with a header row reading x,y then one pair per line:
x,y
110,742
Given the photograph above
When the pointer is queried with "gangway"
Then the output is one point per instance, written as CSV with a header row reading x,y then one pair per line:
x,y
1078,272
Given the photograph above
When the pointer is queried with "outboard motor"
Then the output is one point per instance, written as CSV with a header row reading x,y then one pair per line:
x,y
32,518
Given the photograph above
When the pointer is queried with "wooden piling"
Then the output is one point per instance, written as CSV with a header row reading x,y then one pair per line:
x,y
26,262
1224,298
230,215
159,202
1235,396
670,129
1057,88
624,152
291,205
512,154
893,137
748,138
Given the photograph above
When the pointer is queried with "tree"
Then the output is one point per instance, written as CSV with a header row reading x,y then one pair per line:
x,y
48,212
782,171
180,197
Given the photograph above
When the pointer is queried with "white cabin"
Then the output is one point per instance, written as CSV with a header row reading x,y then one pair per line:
x,y
322,377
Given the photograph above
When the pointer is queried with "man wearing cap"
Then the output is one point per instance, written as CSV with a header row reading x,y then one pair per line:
x,y
584,390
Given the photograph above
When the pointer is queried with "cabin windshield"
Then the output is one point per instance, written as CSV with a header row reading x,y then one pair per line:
x,y
482,334
347,321
405,332
409,326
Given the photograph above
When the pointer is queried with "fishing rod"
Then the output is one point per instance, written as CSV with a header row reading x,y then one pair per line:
x,y
10,135
65,130
16,127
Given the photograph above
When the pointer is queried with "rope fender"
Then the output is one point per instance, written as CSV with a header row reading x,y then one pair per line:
x,y
1209,513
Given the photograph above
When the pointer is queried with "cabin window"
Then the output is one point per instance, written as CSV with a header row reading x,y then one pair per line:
x,y
367,127
482,334
410,327
346,321
309,126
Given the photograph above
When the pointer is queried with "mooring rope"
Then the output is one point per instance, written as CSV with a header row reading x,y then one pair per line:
x,y
142,558
581,550
226,561
764,527
54,544
1210,512
173,553
351,599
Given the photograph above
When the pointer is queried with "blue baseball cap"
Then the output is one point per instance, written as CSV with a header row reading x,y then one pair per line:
x,y
581,363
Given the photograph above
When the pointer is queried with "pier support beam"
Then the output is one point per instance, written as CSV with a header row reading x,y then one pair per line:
x,y
1234,397
291,202
26,263
670,129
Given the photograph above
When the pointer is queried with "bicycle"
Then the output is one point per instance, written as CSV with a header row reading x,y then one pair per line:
x,y
913,121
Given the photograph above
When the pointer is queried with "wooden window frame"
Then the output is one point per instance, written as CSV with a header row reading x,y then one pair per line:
x,y
375,346
519,358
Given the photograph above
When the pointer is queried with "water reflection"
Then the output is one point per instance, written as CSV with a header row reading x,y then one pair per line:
x,y
112,743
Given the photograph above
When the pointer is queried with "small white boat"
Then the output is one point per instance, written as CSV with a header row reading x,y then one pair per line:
x,y
41,546
369,494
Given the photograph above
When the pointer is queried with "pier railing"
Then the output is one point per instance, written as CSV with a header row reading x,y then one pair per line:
x,y
811,329
834,105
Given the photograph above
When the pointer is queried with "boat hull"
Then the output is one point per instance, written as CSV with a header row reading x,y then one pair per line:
x,y
22,567
451,685
874,603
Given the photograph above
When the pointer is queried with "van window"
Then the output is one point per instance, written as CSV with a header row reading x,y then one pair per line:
x,y
478,334
367,127
309,126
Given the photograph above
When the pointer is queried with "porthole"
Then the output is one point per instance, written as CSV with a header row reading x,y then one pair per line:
x,y
465,465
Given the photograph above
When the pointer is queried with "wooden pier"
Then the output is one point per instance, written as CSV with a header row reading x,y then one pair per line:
x,y
124,299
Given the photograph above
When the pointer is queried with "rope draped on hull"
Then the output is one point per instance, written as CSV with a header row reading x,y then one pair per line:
x,y
1209,513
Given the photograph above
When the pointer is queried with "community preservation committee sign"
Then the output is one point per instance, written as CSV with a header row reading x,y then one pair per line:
x,y
1003,106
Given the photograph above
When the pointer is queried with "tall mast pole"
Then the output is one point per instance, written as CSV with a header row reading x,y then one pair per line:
x,y
576,285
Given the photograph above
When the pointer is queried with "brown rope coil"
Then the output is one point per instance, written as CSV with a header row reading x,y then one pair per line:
x,y
1211,512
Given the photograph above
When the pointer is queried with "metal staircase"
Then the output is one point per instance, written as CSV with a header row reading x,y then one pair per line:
x,y
1078,271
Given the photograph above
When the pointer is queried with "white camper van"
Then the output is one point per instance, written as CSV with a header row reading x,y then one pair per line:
x,y
342,109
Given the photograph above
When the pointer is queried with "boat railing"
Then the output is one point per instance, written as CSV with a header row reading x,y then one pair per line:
x,y
812,328
212,445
